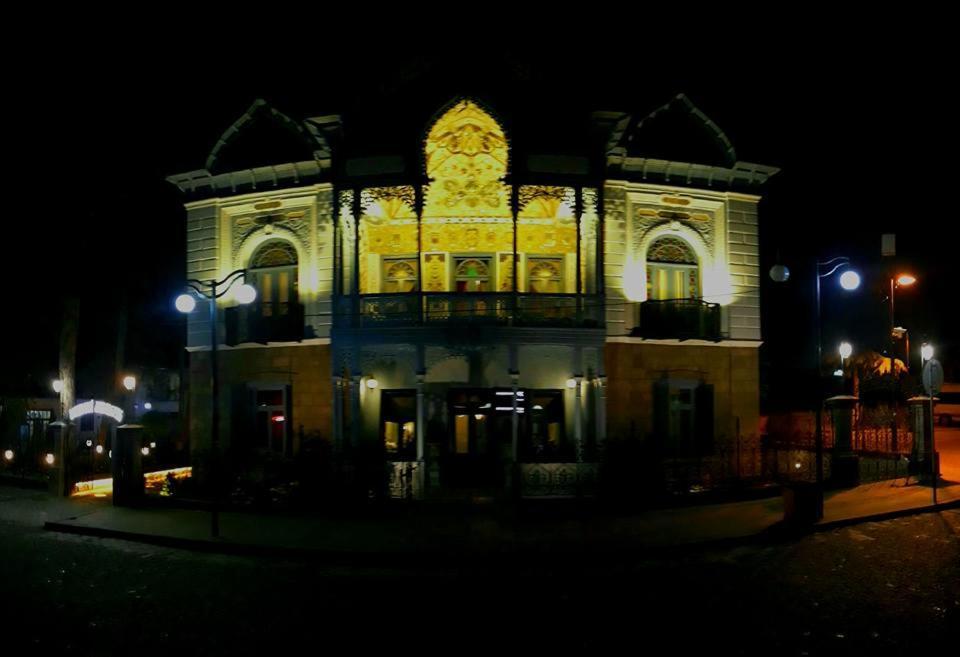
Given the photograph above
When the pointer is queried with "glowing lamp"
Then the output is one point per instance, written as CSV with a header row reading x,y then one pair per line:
x,y
57,386
838,372
145,451
779,274
246,293
926,351
571,383
845,350
129,382
905,280
89,443
849,280
372,383
185,303
48,459
8,455
147,406
797,465
153,445
99,449
479,416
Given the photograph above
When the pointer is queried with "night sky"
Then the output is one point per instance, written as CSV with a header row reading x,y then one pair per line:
x,y
853,123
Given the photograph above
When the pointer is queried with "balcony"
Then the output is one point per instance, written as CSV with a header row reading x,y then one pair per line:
x,y
450,308
264,322
679,319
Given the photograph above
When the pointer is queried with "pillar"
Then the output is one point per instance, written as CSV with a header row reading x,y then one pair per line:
x,y
844,464
354,411
921,422
127,465
337,413
61,432
601,412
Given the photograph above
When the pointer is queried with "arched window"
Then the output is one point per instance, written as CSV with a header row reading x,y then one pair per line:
x,y
544,275
472,275
672,270
399,275
273,271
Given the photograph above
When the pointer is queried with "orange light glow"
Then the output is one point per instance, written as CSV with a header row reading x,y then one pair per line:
x,y
906,279
104,487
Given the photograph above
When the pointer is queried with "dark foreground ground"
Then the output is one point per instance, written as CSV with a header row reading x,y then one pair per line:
x,y
878,588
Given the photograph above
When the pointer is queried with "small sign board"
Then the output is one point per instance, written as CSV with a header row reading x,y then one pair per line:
x,y
932,377
888,244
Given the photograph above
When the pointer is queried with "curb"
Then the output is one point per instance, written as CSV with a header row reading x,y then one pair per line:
x,y
418,557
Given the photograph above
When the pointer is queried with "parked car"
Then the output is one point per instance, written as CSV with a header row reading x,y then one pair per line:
x,y
947,410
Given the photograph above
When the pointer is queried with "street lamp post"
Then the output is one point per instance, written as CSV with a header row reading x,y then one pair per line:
x,y
849,280
185,303
903,280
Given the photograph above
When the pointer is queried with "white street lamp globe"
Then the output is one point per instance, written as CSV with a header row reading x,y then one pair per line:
x,y
185,303
849,280
57,386
246,293
779,274
129,382
926,351
845,350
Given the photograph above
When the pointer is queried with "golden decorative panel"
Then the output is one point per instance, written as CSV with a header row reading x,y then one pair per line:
x,y
466,156
473,236
388,238
435,272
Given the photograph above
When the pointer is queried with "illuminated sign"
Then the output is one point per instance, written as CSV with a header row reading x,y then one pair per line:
x,y
94,406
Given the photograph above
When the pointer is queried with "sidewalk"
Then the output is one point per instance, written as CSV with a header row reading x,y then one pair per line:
x,y
428,534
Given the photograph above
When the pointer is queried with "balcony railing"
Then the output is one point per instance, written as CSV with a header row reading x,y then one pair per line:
x,y
681,319
446,308
264,322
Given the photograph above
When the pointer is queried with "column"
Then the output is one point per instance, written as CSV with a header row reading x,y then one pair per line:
x,y
355,420
921,422
514,212
578,415
514,416
844,464
578,402
357,213
337,381
421,376
578,218
601,412
418,209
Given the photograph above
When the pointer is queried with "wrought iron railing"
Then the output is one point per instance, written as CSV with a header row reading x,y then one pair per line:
x,y
264,322
682,319
445,308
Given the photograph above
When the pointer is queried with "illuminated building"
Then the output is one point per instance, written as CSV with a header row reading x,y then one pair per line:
x,y
482,312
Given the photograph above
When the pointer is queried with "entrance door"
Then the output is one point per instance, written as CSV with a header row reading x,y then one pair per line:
x,y
472,449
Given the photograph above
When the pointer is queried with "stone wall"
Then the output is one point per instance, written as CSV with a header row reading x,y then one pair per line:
x,y
633,367
305,368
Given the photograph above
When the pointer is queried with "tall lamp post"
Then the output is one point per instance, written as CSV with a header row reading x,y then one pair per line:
x,y
849,280
903,280
185,303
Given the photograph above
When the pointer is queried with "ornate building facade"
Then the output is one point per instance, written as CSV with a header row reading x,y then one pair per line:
x,y
477,312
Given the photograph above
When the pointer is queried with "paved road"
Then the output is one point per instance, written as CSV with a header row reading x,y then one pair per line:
x,y
884,587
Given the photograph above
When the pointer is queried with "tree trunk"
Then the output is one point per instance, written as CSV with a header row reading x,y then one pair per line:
x,y
68,354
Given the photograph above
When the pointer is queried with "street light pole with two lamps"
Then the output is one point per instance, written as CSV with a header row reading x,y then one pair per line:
x,y
186,303
849,280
